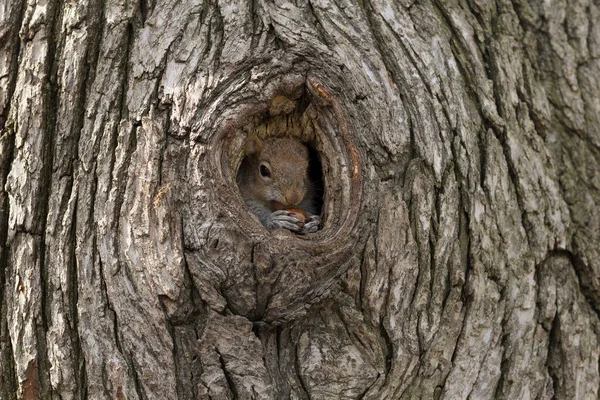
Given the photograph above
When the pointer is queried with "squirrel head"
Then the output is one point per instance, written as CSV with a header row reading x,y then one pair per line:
x,y
280,171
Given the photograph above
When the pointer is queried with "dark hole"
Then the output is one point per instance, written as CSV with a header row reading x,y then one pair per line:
x,y
315,174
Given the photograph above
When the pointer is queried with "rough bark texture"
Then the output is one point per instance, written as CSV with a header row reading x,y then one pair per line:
x,y
460,148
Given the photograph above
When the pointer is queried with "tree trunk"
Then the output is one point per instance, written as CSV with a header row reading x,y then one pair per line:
x,y
459,256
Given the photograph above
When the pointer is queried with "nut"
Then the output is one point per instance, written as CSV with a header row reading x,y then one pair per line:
x,y
298,214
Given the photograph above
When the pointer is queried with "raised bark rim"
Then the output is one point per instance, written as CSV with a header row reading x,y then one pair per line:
x,y
333,144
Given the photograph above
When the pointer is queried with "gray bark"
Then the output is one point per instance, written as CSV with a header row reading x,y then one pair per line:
x,y
460,252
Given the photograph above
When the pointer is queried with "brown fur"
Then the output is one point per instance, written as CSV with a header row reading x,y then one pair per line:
x,y
288,161
288,186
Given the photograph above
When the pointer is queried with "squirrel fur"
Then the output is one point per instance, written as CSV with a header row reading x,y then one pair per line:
x,y
273,179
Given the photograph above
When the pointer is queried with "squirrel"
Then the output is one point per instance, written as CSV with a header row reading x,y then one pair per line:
x,y
274,183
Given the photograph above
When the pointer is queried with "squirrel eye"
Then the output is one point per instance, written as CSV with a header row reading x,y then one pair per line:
x,y
264,171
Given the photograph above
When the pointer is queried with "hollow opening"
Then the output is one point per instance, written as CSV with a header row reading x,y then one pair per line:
x,y
273,171
312,114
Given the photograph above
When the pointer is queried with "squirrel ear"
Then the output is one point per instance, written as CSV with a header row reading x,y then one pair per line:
x,y
253,145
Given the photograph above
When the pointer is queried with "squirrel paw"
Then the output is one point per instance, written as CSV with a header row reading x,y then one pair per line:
x,y
311,225
283,219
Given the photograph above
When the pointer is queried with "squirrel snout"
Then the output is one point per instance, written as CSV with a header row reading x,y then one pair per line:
x,y
292,199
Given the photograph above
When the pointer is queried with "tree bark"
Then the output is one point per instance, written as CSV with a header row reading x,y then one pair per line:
x,y
460,149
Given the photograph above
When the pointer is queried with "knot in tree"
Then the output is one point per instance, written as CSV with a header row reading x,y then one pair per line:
x,y
299,200
271,275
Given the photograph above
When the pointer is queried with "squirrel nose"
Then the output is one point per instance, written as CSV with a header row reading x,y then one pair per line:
x,y
293,199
